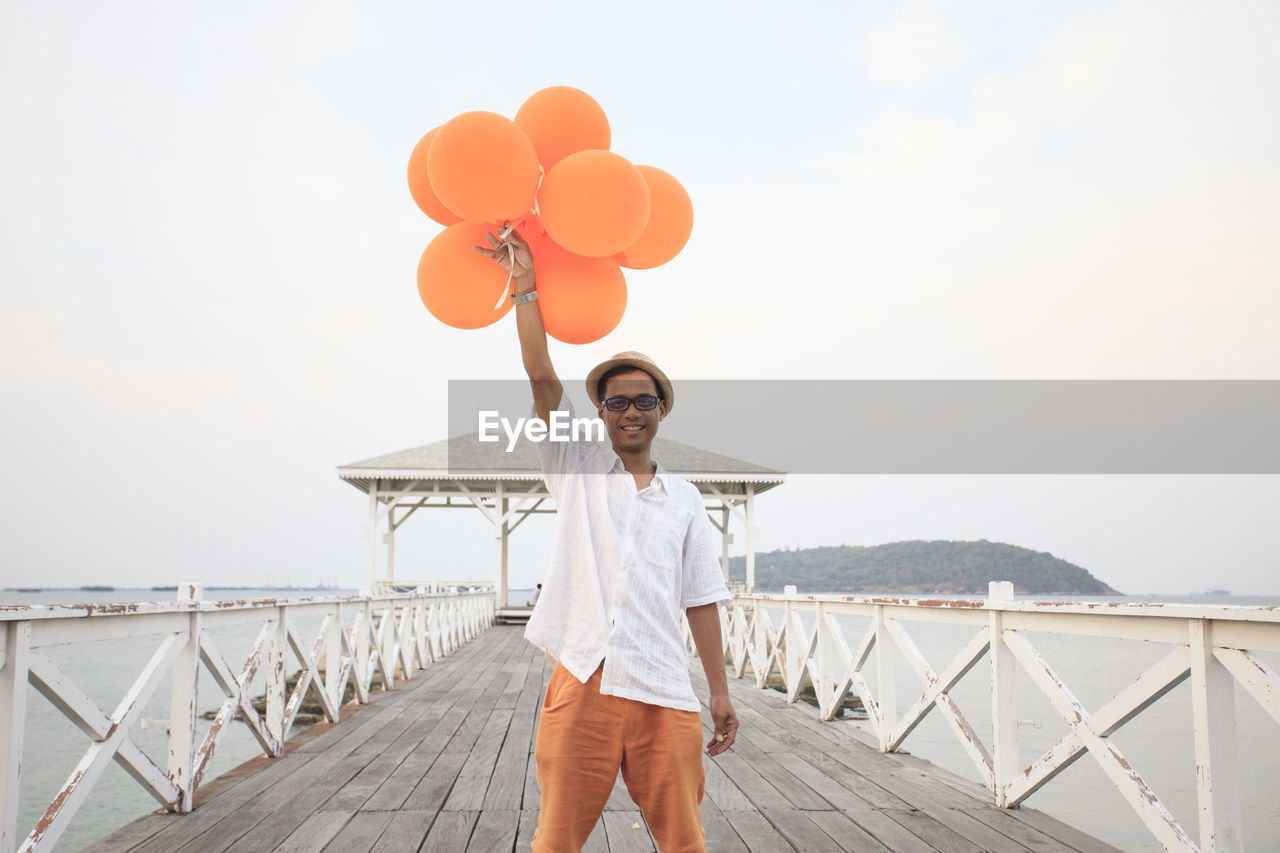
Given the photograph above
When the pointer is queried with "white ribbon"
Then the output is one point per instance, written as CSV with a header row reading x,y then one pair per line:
x,y
511,250
511,262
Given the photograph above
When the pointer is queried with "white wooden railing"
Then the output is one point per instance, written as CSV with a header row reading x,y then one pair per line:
x,y
1212,646
359,635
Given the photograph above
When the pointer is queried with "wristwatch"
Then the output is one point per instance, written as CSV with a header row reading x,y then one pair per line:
x,y
524,297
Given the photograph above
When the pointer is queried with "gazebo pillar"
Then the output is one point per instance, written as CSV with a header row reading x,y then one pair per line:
x,y
725,538
371,533
751,536
503,534
390,539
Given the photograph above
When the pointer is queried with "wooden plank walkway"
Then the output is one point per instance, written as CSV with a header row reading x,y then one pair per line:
x,y
445,763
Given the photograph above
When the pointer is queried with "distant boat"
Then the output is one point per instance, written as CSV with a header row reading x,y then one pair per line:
x,y
96,588
164,589
1217,591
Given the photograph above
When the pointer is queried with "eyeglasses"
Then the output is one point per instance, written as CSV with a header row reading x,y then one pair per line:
x,y
642,402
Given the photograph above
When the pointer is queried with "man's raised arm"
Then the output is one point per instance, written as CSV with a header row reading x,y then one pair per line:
x,y
518,261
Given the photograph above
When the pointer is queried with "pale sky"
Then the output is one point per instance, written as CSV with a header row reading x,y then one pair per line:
x,y
208,298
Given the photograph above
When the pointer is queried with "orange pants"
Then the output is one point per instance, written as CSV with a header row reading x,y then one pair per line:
x,y
584,738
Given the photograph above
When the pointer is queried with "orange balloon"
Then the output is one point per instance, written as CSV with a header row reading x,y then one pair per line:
x,y
594,203
483,167
561,120
669,226
460,286
581,299
420,184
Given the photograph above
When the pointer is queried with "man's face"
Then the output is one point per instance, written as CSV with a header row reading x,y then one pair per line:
x,y
631,429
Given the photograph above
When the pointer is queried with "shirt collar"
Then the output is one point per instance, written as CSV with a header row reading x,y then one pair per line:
x,y
660,474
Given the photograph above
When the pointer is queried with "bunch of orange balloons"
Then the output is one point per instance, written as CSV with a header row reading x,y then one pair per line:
x,y
585,212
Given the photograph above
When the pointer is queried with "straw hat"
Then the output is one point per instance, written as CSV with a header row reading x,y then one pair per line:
x,y
638,360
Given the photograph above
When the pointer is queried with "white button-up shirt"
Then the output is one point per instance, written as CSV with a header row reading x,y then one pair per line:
x,y
625,564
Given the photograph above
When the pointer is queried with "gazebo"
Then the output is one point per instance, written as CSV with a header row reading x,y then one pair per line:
x,y
508,487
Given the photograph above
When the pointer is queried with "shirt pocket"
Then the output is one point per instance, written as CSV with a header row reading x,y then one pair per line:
x,y
667,544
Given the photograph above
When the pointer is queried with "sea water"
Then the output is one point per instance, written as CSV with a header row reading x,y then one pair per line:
x,y
1159,742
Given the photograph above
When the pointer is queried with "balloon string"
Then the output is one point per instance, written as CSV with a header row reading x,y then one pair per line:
x,y
511,262
511,251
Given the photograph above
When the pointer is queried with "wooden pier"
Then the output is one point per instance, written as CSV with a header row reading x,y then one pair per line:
x,y
445,763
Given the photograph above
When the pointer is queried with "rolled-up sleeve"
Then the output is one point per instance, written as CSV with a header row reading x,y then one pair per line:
x,y
703,578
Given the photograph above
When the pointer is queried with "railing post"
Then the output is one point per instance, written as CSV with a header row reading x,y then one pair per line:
x,y
388,634
1004,711
420,644
830,666
799,655
1213,708
360,633
794,644
432,629
447,625
726,631
737,635
886,679
184,703
759,646
450,625
333,659
275,688
13,701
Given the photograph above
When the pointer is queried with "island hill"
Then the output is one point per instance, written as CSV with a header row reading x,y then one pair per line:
x,y
934,567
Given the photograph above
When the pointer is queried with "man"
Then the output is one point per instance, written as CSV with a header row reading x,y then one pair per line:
x,y
634,547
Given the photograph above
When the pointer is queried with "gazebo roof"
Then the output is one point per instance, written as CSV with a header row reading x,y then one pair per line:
x,y
466,458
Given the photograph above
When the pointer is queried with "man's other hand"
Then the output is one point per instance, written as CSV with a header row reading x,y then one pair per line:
x,y
724,722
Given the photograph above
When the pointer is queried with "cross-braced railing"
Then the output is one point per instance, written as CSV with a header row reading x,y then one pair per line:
x,y
1211,646
359,636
